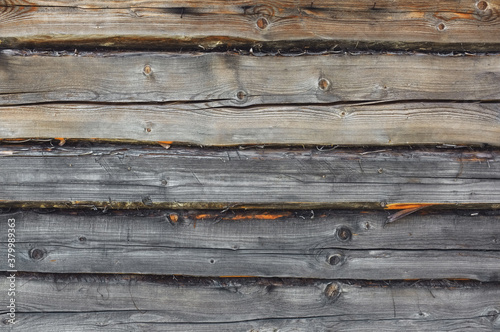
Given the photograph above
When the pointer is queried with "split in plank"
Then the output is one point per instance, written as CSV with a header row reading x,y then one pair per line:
x,y
277,24
226,79
383,124
121,176
320,248
90,301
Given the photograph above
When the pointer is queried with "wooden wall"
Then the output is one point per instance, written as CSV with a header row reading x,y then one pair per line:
x,y
250,166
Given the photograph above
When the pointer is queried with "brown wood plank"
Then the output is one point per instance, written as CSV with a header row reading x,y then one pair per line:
x,y
401,24
331,245
224,79
383,124
163,301
131,177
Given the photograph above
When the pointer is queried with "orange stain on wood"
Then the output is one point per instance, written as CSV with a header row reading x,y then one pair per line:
x,y
454,16
165,142
262,216
405,206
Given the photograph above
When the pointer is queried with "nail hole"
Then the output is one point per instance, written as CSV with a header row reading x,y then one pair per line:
x,y
147,70
323,84
344,234
342,114
334,259
164,182
441,26
82,239
262,23
36,254
148,130
482,5
380,171
212,261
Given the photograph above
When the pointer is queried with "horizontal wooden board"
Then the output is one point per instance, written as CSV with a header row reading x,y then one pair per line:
x,y
155,322
120,176
418,24
371,124
93,302
331,245
298,231
224,79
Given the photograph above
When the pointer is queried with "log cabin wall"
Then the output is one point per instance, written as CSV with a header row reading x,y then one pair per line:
x,y
250,166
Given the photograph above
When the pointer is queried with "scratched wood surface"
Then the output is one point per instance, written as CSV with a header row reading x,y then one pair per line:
x,y
227,79
278,24
121,176
89,302
381,124
332,245
155,322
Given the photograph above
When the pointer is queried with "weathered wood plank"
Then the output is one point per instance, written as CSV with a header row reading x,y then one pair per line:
x,y
164,302
320,248
224,79
130,177
418,24
155,322
383,124
298,231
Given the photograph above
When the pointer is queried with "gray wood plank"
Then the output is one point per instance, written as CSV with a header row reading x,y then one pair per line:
x,y
418,24
130,177
225,79
314,263
369,124
155,322
164,301
305,249
297,231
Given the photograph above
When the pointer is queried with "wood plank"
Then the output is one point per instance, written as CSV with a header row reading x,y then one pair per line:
x,y
298,231
225,79
375,124
417,24
155,322
140,176
265,248
249,302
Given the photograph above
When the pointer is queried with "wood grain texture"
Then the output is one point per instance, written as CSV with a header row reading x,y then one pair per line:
x,y
252,303
288,248
383,124
418,24
155,322
224,79
131,177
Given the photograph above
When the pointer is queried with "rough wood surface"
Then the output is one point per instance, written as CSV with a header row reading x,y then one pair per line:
x,y
132,176
333,245
155,322
224,79
401,24
382,124
91,301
